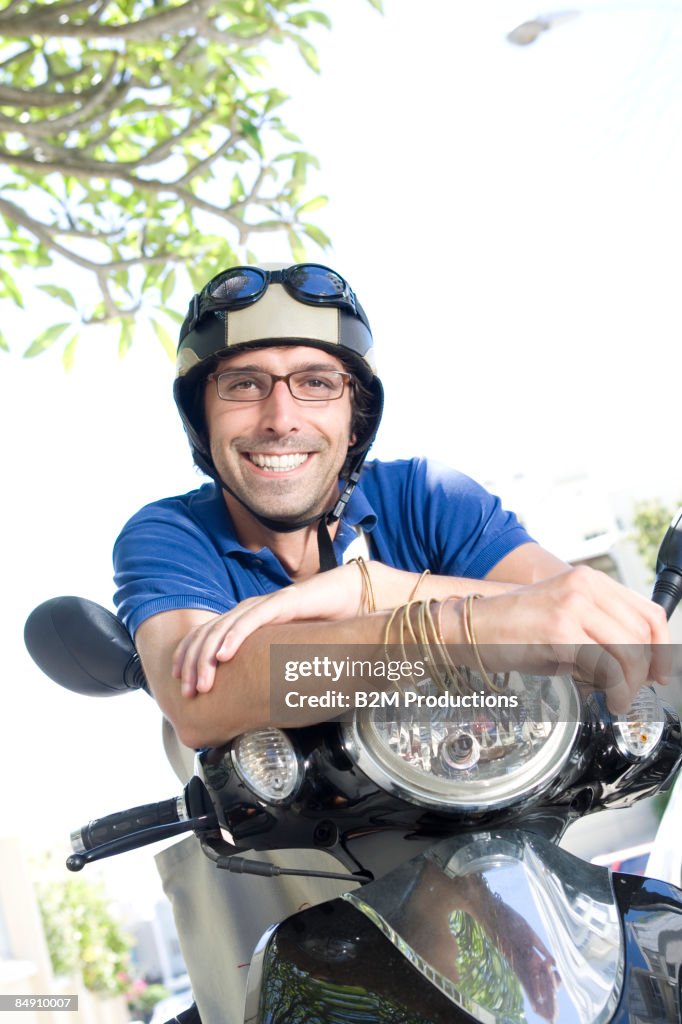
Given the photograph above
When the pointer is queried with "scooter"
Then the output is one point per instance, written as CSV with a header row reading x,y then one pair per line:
x,y
445,822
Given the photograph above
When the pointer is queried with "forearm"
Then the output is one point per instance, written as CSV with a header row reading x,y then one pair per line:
x,y
394,587
528,563
519,628
242,697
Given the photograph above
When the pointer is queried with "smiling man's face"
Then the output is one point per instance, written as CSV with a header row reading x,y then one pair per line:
x,y
281,456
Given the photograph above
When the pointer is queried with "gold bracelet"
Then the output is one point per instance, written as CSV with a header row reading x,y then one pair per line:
x,y
401,634
367,581
427,634
427,638
461,676
427,572
471,638
425,621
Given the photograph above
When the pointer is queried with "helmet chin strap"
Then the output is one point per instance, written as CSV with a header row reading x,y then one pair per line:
x,y
325,545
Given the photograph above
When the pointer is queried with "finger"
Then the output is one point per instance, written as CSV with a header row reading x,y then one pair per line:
x,y
242,628
196,673
619,670
275,609
221,639
206,652
596,666
188,668
179,655
185,664
639,618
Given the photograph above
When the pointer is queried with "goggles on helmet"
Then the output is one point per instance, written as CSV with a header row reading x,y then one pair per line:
x,y
238,287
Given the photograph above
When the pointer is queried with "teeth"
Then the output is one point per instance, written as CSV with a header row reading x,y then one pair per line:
x,y
279,463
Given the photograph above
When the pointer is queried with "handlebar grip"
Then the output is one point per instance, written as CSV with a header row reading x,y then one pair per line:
x,y
668,590
124,823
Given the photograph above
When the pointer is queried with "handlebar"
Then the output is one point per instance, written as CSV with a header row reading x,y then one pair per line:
x,y
139,826
668,585
125,823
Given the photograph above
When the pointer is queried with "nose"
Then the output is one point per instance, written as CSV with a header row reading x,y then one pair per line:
x,y
280,412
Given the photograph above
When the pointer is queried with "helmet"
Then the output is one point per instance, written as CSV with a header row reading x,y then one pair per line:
x,y
259,307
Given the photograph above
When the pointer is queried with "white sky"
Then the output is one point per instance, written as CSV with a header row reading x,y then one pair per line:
x,y
511,221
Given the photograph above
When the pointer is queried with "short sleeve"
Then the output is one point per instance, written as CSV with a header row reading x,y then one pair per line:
x,y
468,525
164,561
432,516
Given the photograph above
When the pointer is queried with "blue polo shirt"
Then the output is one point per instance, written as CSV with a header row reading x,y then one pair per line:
x,y
183,552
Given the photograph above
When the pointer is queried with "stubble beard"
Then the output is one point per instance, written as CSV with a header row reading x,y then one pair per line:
x,y
288,498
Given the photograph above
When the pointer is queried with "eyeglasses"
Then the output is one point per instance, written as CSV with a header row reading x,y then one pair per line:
x,y
257,385
310,283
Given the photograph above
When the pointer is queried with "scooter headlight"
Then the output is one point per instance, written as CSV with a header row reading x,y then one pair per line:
x,y
266,761
470,751
638,731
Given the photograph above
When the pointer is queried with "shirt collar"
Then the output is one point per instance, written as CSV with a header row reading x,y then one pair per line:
x,y
212,511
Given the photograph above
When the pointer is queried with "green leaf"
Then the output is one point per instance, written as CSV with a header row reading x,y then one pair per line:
x,y
11,289
69,353
125,338
251,132
4,347
164,337
168,285
287,134
313,204
317,235
301,20
297,247
377,5
236,189
172,313
275,99
45,340
59,293
309,54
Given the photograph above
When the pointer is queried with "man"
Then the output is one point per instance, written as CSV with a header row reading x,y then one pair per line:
x,y
280,400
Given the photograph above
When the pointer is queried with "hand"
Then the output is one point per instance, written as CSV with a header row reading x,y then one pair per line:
x,y
337,594
583,622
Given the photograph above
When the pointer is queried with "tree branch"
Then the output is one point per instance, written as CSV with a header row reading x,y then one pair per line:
x,y
48,236
164,149
43,97
88,169
50,21
9,22
77,119
16,56
234,137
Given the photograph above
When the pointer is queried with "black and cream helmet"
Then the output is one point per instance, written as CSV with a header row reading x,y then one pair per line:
x,y
213,330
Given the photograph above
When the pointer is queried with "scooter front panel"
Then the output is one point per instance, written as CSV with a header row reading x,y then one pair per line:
x,y
329,965
512,929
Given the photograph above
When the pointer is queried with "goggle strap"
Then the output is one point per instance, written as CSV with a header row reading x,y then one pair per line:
x,y
195,315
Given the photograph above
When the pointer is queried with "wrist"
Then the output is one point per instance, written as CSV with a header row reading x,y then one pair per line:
x,y
451,621
368,602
